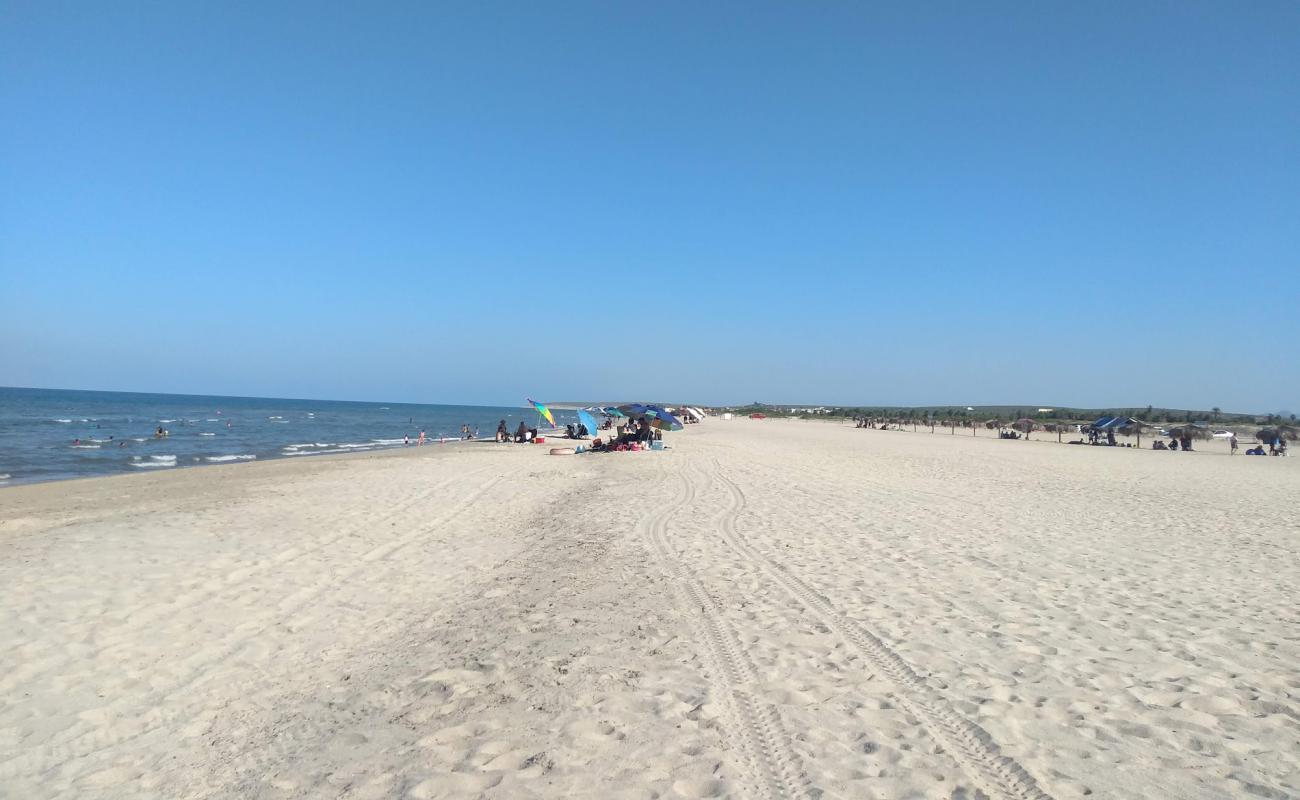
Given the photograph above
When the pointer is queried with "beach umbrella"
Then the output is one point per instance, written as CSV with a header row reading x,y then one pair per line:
x,y
1191,430
588,420
612,412
633,410
1024,424
1277,432
662,420
542,411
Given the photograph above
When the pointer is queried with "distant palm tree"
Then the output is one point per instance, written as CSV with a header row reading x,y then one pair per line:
x,y
1216,411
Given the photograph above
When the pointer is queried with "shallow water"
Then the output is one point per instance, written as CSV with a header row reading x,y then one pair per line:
x,y
52,434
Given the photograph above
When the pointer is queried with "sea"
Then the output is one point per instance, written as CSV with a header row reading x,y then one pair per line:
x,y
55,434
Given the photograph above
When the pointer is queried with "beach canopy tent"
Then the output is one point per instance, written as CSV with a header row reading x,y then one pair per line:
x,y
1113,423
1123,425
693,413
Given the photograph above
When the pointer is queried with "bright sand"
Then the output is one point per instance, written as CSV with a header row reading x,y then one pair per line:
x,y
768,609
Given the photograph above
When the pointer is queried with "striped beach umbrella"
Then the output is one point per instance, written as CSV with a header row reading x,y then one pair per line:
x,y
543,411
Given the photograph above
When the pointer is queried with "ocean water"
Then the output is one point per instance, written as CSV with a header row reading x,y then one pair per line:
x,y
53,434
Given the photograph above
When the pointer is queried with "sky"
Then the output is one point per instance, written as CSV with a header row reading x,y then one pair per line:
x,y
845,203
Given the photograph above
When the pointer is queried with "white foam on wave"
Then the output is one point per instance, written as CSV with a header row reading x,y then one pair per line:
x,y
386,441
207,434
166,420
85,447
61,420
154,462
4,476
214,420
242,457
139,439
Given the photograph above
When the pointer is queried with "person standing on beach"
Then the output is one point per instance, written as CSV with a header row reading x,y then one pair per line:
x,y
1232,442
420,441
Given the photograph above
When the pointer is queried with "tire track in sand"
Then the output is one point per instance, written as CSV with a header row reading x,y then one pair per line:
x,y
774,769
234,581
973,748
197,667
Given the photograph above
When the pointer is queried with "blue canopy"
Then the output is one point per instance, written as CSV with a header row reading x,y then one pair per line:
x,y
1112,422
661,419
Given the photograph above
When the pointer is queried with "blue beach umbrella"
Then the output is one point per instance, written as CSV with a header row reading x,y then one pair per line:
x,y
588,420
661,419
656,415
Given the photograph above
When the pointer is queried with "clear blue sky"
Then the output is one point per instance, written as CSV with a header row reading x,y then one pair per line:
x,y
1079,203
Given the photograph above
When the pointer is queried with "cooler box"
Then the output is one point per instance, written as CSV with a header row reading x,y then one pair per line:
x,y
656,445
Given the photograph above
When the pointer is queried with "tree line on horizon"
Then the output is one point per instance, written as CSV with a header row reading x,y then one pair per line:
x,y
1147,414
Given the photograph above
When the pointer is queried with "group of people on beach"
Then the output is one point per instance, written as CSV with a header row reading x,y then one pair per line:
x,y
1184,441
578,431
523,434
632,434
465,433
1277,447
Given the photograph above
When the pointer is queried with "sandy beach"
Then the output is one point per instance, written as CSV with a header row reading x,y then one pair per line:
x,y
767,609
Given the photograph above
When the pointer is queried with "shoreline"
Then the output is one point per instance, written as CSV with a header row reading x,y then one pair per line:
x,y
385,450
